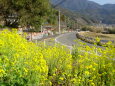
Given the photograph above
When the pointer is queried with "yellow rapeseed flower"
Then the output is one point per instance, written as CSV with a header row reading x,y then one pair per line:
x,y
92,84
87,73
61,78
25,70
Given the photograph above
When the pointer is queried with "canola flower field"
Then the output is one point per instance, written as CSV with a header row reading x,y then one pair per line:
x,y
24,63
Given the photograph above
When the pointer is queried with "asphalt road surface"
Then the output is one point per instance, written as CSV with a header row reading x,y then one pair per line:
x,y
68,39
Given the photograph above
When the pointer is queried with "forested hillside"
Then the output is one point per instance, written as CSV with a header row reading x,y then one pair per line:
x,y
104,13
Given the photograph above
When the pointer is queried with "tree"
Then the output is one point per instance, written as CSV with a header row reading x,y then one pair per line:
x,y
28,12
53,17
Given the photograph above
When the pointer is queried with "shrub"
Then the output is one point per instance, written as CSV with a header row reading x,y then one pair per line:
x,y
85,28
111,31
93,29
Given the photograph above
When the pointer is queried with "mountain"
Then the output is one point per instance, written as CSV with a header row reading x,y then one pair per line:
x,y
93,10
77,5
76,16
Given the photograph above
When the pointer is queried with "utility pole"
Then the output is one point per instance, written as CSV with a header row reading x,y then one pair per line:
x,y
59,23
59,26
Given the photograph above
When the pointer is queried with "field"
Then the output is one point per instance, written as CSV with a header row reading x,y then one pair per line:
x,y
24,63
99,35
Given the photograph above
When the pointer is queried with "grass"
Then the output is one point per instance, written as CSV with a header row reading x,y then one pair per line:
x,y
48,42
100,35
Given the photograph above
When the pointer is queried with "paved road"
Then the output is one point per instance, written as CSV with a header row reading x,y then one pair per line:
x,y
67,38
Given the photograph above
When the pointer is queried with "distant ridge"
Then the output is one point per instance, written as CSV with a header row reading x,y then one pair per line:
x,y
104,13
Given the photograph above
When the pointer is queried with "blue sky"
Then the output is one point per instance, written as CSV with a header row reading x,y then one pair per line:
x,y
104,1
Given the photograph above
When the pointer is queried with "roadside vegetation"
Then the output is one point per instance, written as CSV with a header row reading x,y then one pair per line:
x,y
99,35
103,34
46,63
99,29
92,29
112,30
24,63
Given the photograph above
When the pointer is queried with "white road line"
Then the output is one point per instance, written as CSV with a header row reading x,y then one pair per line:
x,y
70,47
56,40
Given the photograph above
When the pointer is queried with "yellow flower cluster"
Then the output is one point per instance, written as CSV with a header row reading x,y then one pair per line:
x,y
24,63
21,61
95,66
59,61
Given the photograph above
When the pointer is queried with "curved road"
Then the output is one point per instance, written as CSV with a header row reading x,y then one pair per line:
x,y
67,39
